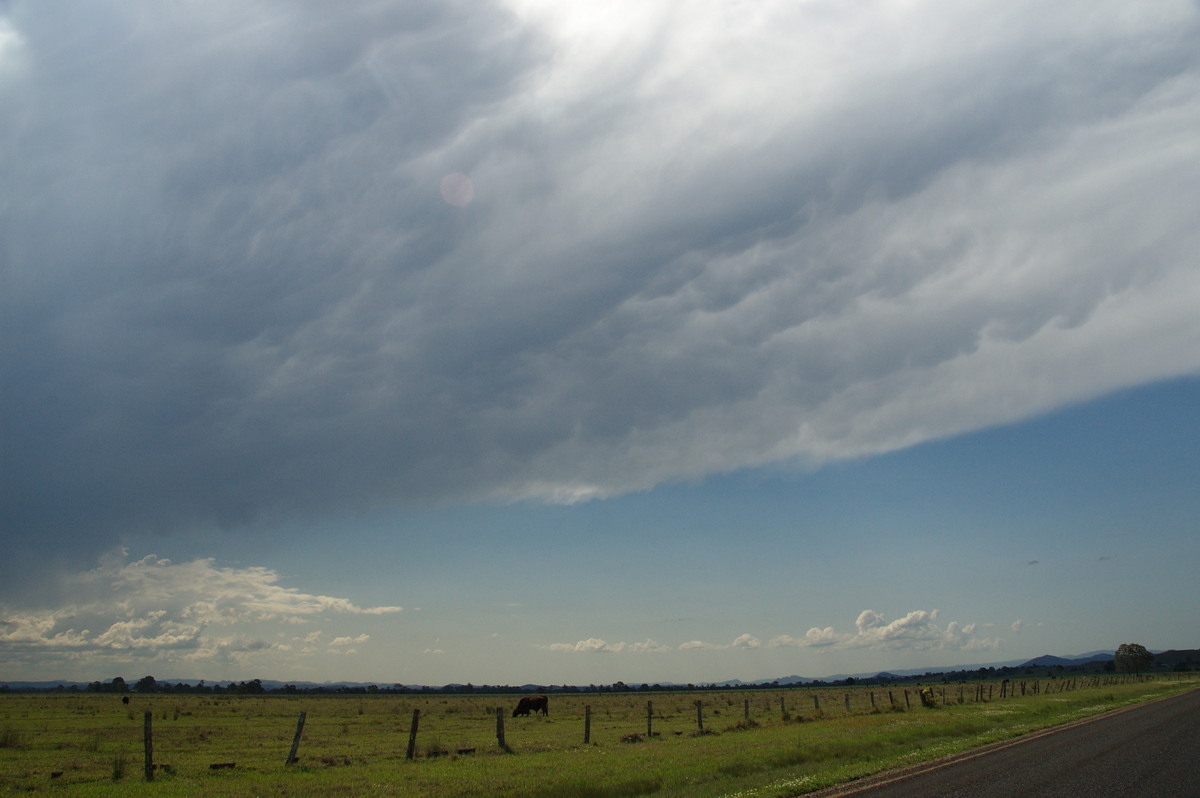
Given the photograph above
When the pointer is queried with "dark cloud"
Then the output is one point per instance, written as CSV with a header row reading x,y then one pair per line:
x,y
234,292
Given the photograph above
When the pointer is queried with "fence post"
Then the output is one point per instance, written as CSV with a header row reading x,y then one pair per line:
x,y
816,702
700,715
412,735
649,718
296,740
782,707
746,709
907,704
872,699
500,728
847,703
148,739
587,724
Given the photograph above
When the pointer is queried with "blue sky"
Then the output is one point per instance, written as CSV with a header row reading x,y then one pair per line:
x,y
516,342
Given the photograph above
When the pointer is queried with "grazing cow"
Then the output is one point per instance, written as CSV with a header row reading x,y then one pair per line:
x,y
124,699
534,704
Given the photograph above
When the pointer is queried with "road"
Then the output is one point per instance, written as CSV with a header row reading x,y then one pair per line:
x,y
1149,750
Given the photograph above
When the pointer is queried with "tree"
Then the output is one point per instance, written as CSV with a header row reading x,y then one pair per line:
x,y
146,684
1132,658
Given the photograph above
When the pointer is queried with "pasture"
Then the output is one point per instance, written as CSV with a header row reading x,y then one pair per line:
x,y
760,743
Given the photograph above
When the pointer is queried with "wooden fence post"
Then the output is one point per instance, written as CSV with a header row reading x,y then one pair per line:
x,y
847,703
782,707
412,735
296,740
816,702
649,718
907,703
148,740
700,715
746,709
500,728
587,724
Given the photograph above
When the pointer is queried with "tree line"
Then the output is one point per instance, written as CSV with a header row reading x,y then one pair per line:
x,y
1128,658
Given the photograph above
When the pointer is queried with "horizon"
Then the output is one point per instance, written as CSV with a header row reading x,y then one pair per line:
x,y
516,340
733,680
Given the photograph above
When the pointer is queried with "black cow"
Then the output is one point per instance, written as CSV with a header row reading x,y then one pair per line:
x,y
534,704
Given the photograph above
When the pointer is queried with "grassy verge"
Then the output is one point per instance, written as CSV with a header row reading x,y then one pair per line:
x,y
353,746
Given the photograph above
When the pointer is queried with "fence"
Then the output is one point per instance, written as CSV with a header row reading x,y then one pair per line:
x,y
227,733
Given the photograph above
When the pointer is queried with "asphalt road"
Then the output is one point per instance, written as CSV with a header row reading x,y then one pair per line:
x,y
1143,751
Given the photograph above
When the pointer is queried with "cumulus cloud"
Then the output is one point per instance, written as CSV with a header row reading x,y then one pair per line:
x,y
261,262
744,641
349,641
152,608
698,645
596,646
918,630
813,638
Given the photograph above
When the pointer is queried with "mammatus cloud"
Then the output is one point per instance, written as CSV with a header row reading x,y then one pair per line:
x,y
154,610
261,263
919,630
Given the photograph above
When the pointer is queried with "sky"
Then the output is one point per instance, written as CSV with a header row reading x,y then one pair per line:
x,y
524,341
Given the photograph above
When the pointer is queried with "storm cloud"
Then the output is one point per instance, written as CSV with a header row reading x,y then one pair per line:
x,y
236,290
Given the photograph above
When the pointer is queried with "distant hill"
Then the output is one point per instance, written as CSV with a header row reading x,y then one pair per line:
x,y
1049,660
1091,662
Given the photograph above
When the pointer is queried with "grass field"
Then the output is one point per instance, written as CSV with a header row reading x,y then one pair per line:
x,y
779,744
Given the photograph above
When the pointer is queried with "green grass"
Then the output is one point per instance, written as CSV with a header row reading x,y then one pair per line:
x,y
356,746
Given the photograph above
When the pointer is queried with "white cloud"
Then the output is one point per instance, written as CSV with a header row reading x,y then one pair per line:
x,y
698,645
349,641
983,644
815,638
596,646
918,630
155,609
741,641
